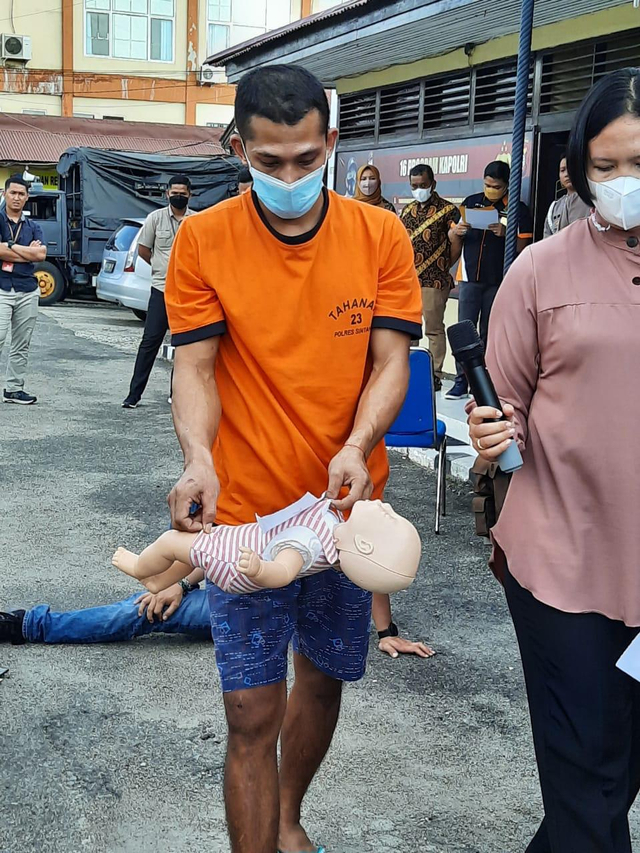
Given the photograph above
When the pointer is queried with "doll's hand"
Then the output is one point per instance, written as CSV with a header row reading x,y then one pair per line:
x,y
249,562
393,646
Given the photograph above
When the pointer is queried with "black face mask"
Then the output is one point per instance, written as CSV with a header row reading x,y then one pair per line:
x,y
180,202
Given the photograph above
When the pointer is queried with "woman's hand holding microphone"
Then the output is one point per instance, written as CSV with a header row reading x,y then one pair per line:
x,y
489,438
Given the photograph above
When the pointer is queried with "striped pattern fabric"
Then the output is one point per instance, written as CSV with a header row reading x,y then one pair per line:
x,y
218,552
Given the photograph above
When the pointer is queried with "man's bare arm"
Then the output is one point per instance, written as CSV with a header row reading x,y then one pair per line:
x,y
379,405
31,254
386,389
145,253
7,254
196,417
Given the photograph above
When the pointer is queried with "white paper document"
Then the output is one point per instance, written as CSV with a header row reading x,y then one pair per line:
x,y
268,522
630,659
481,219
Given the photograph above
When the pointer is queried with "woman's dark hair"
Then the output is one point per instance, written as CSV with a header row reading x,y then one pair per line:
x,y
613,96
499,171
284,94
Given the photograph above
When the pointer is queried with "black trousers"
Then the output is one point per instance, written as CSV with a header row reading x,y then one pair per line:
x,y
585,716
155,328
475,301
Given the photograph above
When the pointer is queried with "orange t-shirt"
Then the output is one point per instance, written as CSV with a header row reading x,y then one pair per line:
x,y
295,315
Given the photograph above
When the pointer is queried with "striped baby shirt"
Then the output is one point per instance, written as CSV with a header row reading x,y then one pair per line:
x,y
309,531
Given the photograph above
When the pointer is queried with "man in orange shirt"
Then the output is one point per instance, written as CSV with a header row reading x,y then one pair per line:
x,y
291,309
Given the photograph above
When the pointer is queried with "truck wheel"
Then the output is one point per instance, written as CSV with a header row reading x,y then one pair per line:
x,y
141,315
51,282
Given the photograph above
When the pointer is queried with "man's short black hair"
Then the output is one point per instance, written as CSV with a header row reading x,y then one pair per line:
x,y
422,169
244,176
283,94
612,97
16,179
499,171
183,180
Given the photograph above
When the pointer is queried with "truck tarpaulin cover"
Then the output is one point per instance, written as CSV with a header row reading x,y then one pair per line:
x,y
117,184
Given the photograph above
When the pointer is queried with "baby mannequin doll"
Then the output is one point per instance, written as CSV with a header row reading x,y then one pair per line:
x,y
376,548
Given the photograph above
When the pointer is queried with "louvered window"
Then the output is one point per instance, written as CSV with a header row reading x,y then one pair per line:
x,y
400,110
357,115
496,92
446,100
569,72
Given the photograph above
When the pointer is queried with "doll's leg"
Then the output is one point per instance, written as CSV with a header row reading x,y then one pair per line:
x,y
173,574
173,546
271,574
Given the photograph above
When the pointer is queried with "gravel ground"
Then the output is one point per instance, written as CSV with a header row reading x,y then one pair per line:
x,y
119,748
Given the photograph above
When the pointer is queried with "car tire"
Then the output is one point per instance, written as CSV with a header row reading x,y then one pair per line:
x,y
51,281
141,315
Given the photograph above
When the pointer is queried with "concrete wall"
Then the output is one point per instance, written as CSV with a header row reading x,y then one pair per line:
x,y
51,104
217,113
130,110
41,20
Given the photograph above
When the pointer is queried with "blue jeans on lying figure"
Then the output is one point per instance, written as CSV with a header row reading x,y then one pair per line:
x,y
117,622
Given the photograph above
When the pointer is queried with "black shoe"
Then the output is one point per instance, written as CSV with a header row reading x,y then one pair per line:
x,y
19,397
11,627
130,403
437,384
459,391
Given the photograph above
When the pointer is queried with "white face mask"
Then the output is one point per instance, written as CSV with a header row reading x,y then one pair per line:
x,y
368,185
422,195
618,201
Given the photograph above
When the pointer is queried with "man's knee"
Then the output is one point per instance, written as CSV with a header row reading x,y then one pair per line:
x,y
321,688
254,716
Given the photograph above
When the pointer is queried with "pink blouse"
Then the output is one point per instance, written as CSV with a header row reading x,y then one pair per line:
x,y
564,350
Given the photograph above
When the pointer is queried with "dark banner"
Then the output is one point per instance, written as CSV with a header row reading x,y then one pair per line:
x,y
458,166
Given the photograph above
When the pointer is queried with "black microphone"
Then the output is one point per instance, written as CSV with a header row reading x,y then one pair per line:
x,y
468,350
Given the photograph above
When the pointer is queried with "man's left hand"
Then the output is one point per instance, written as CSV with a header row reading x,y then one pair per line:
x,y
498,229
170,598
349,468
393,646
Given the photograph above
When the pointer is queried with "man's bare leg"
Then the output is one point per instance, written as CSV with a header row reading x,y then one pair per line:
x,y
251,796
309,724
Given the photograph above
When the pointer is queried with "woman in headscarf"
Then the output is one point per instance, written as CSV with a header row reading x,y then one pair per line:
x,y
369,188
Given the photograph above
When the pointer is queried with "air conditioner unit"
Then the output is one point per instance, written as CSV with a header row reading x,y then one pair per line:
x,y
16,47
211,74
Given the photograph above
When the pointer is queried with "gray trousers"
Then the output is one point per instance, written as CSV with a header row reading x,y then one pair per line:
x,y
18,313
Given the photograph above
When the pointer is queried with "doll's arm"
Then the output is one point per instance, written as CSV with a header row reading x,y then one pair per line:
x,y
271,574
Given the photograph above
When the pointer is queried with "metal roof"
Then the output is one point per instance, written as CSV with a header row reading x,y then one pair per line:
x,y
42,139
223,56
381,35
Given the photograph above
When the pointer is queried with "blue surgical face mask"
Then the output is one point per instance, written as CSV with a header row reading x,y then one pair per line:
x,y
287,201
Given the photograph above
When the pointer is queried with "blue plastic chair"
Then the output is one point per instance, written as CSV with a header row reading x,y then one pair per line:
x,y
417,425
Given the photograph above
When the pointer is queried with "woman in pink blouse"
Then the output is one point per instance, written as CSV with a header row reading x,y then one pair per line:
x,y
564,354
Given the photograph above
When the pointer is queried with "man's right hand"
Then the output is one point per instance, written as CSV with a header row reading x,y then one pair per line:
x,y
199,485
460,229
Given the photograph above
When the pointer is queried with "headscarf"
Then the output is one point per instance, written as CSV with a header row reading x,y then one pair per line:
x,y
375,199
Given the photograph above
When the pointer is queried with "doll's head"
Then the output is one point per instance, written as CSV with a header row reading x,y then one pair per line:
x,y
379,549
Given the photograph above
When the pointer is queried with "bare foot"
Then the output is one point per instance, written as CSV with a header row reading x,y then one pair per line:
x,y
293,839
126,561
249,563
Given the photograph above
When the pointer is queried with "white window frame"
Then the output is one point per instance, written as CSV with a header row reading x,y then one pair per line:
x,y
148,16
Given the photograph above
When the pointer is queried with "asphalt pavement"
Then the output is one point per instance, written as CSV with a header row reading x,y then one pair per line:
x,y
119,748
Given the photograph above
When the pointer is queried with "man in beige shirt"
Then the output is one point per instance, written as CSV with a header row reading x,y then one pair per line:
x,y
154,246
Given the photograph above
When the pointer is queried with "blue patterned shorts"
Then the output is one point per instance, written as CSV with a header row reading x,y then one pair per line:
x,y
326,616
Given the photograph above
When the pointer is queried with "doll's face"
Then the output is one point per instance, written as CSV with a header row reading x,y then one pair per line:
x,y
379,549
372,526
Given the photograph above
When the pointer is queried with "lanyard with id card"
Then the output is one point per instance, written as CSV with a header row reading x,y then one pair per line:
x,y
7,266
